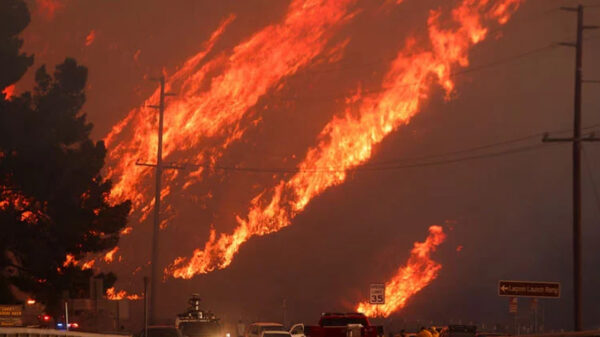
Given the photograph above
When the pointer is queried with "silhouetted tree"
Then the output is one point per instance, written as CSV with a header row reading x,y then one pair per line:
x,y
53,197
14,17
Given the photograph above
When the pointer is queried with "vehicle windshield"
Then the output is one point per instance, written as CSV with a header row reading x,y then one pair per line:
x,y
193,329
161,332
343,321
269,334
272,328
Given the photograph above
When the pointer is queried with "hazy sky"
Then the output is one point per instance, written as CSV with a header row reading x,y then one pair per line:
x,y
512,213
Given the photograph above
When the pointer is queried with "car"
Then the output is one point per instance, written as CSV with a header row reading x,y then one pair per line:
x,y
459,331
297,330
161,331
352,324
271,333
256,329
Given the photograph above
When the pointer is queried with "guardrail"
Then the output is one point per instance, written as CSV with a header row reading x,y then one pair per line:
x,y
589,333
33,332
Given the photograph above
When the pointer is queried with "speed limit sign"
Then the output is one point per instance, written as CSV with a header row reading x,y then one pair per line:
x,y
377,293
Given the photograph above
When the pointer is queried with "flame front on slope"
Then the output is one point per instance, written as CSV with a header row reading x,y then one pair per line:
x,y
419,271
205,116
347,141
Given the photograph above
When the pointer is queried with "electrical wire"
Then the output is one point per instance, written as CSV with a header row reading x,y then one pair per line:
x,y
538,135
382,168
454,74
525,20
426,163
418,161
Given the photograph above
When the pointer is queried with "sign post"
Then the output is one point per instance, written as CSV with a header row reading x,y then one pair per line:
x,y
533,290
377,293
529,289
11,315
513,308
513,305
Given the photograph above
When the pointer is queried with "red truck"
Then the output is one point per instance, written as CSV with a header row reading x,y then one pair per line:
x,y
352,324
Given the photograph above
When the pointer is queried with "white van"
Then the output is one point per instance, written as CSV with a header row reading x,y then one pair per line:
x,y
256,329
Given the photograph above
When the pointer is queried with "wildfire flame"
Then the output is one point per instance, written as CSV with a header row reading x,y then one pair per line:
x,y
89,39
347,141
418,272
114,295
205,116
126,230
70,260
9,92
110,256
88,265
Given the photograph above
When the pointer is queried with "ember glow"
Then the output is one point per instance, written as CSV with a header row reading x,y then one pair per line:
x,y
202,121
347,141
48,8
89,39
9,92
114,295
88,265
126,230
419,271
69,260
110,256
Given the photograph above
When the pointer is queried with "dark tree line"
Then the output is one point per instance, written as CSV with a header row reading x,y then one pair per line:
x,y
53,199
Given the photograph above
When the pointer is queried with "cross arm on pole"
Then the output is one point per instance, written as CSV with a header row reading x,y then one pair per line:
x,y
568,9
138,163
590,138
163,166
567,44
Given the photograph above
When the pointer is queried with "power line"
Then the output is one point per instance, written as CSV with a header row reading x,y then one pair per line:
x,y
483,147
466,158
418,161
576,141
456,73
373,168
525,20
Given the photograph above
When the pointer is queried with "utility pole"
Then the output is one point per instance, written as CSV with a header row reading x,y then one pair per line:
x,y
155,276
159,167
145,306
577,142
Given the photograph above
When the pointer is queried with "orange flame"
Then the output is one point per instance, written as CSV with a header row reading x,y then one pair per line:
x,y
347,141
206,115
88,265
9,92
110,256
89,39
69,260
418,272
126,230
114,295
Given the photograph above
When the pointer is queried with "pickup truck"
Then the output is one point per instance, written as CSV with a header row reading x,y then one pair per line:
x,y
338,325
